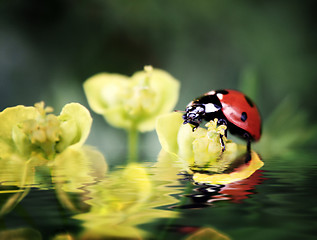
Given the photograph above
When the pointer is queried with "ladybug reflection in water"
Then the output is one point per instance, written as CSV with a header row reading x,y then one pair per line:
x,y
232,108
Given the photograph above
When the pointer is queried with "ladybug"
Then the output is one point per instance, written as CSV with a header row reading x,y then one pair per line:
x,y
232,108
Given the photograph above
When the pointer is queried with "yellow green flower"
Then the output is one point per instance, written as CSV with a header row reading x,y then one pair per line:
x,y
33,136
34,130
132,102
201,150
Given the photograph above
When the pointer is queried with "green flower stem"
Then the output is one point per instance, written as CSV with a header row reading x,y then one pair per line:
x,y
133,145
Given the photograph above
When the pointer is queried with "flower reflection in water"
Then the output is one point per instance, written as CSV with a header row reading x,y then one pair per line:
x,y
21,234
123,200
73,171
114,204
207,233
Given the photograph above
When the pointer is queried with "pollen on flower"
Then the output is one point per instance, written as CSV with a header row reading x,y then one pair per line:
x,y
149,73
52,128
37,135
141,99
214,129
45,130
40,108
148,68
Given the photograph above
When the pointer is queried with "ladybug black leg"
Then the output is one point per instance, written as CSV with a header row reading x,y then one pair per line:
x,y
248,153
223,147
249,146
222,121
195,125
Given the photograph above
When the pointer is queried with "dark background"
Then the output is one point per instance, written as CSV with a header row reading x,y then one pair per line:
x,y
265,48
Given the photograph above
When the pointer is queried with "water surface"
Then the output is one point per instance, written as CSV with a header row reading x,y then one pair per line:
x,y
277,202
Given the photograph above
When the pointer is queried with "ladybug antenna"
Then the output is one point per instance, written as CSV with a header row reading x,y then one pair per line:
x,y
180,111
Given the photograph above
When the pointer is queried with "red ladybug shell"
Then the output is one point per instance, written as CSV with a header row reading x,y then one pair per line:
x,y
242,112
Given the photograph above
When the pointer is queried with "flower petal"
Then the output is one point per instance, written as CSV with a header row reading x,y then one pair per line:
x,y
75,125
102,91
166,89
167,128
185,139
9,118
241,173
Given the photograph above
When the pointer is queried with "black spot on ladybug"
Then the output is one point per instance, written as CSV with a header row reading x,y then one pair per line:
x,y
250,102
224,92
244,116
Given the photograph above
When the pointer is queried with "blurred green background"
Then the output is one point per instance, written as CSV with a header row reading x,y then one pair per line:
x,y
265,48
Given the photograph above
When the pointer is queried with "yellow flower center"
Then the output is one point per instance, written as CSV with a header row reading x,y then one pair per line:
x,y
207,145
214,130
142,96
43,132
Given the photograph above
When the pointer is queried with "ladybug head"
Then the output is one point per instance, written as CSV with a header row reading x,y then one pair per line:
x,y
194,115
